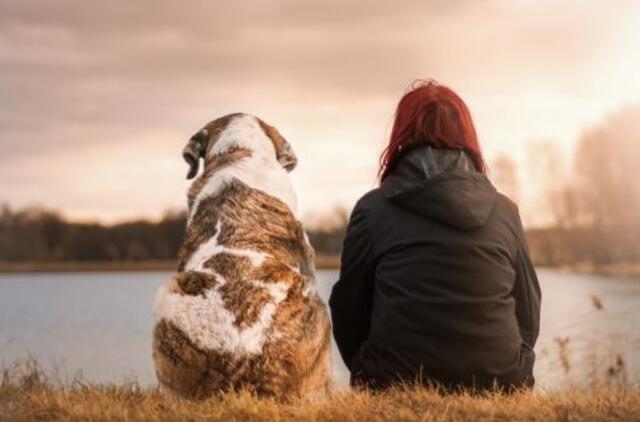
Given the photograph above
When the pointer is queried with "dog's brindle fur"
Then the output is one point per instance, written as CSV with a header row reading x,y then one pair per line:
x,y
294,360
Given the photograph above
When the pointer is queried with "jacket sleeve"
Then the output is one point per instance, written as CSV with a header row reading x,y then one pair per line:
x,y
351,299
526,292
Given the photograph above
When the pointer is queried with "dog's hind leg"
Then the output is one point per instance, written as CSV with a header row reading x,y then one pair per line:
x,y
316,357
180,366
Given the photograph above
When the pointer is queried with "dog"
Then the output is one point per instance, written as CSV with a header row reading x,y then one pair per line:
x,y
242,312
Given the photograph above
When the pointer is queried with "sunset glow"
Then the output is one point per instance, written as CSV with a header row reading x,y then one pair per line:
x,y
98,99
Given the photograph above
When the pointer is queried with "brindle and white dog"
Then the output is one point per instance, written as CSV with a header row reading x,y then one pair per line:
x,y
242,312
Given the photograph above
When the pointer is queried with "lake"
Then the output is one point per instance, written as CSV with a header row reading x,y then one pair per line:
x,y
98,326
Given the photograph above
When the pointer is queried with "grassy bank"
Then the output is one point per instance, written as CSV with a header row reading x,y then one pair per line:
x,y
322,262
133,403
26,393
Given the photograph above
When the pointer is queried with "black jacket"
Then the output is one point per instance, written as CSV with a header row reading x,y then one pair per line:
x,y
436,281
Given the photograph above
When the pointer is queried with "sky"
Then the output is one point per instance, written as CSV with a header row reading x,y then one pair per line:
x,y
97,99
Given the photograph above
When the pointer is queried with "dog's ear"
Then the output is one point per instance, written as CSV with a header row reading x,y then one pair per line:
x,y
194,151
284,153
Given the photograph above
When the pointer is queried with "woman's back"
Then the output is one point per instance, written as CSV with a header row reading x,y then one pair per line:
x,y
444,260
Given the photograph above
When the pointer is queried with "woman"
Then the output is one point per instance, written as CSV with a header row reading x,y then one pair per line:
x,y
436,284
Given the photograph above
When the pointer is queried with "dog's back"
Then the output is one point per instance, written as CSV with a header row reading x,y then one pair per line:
x,y
242,312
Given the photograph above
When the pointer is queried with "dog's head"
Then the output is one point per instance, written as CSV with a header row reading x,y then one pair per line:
x,y
203,143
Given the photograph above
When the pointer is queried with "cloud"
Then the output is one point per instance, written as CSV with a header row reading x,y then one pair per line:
x,y
75,75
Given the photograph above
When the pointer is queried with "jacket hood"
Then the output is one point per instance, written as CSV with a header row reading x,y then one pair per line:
x,y
441,184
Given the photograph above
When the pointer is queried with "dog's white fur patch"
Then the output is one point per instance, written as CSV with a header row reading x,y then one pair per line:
x,y
260,171
207,322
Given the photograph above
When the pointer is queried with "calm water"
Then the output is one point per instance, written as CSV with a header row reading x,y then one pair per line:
x,y
99,324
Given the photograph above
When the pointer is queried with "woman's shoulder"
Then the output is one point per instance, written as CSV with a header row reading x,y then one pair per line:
x,y
507,210
507,205
374,210
371,200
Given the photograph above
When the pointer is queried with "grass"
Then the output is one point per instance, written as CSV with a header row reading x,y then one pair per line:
x,y
134,403
26,394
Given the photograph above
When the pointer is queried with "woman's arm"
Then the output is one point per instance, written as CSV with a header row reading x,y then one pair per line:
x,y
352,296
526,292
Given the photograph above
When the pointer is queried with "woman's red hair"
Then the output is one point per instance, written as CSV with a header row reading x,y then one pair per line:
x,y
431,114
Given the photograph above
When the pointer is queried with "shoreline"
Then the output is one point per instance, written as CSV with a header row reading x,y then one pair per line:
x,y
621,269
323,262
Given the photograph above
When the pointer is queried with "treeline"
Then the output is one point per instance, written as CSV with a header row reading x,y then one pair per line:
x,y
40,235
598,246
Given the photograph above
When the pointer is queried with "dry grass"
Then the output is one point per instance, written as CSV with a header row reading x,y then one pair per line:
x,y
133,403
26,394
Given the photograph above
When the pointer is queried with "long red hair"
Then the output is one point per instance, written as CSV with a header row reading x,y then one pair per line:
x,y
431,114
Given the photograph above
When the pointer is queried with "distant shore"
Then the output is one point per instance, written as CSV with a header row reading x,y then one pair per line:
x,y
324,262
621,269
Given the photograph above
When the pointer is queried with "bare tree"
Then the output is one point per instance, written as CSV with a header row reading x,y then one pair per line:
x,y
551,183
607,161
504,174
